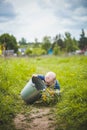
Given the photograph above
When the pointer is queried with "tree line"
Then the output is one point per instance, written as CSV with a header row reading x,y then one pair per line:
x,y
58,44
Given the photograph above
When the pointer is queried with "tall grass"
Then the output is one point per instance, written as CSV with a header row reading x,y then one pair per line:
x,y
71,111
14,74
72,75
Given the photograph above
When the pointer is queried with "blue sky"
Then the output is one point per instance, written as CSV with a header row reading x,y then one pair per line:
x,y
37,18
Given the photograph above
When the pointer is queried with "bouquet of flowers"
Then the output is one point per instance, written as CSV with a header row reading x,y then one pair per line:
x,y
49,96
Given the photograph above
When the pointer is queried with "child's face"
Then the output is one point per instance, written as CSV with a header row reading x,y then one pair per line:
x,y
49,80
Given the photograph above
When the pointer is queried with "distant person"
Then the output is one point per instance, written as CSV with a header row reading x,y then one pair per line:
x,y
49,80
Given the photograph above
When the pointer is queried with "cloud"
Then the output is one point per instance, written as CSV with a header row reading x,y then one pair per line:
x,y
36,18
6,11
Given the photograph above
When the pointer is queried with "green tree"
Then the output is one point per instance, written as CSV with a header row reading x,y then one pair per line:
x,y
56,50
83,41
29,51
70,43
58,41
36,44
9,42
22,41
46,43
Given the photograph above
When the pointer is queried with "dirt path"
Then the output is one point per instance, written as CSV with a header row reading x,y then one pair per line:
x,y
40,118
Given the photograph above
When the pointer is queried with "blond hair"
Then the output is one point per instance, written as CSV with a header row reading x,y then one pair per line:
x,y
52,74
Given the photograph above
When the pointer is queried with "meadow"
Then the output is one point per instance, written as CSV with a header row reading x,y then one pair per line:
x,y
71,71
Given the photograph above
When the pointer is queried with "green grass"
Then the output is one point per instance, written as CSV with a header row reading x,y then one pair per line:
x,y
71,110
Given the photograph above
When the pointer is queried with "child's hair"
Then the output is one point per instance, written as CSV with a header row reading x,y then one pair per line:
x,y
52,74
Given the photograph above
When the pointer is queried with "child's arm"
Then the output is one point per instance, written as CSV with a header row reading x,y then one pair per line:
x,y
57,87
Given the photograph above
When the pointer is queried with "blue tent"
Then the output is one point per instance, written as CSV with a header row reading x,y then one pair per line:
x,y
50,51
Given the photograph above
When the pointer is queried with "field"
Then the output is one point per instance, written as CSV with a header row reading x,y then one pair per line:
x,y
70,110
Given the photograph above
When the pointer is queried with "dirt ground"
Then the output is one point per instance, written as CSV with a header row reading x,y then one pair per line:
x,y
40,118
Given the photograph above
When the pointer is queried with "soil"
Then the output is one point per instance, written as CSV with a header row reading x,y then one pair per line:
x,y
40,118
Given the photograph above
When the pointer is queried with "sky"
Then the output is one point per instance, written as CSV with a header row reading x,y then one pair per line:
x,y
31,19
